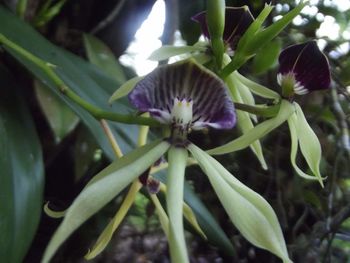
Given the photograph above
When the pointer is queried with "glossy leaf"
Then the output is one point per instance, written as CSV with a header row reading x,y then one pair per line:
x,y
82,77
248,211
100,55
103,188
59,116
21,173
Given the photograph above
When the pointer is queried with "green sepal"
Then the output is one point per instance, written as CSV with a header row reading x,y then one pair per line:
x,y
248,211
256,88
259,131
177,159
124,89
244,121
102,189
166,52
304,137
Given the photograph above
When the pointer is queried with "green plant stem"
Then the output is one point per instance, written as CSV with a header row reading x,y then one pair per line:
x,y
98,113
21,8
271,111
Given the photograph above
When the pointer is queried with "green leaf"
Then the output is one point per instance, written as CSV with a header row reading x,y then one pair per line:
x,y
177,158
21,173
304,137
83,78
124,89
100,55
256,88
102,189
47,12
267,57
259,131
60,118
166,52
248,211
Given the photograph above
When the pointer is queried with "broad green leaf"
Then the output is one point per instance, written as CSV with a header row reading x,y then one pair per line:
x,y
266,57
21,172
248,211
100,55
259,131
256,88
166,52
103,188
177,158
83,78
60,117
124,89
244,122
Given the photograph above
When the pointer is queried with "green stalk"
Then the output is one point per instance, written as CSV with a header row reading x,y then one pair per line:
x,y
264,111
177,158
98,113
21,8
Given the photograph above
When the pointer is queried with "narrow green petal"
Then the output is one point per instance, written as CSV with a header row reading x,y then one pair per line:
x,y
112,226
244,122
248,211
177,159
163,217
166,52
191,218
256,88
52,213
106,185
259,131
124,89
297,130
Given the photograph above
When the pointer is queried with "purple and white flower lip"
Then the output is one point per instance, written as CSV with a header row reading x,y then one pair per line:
x,y
303,68
186,96
237,21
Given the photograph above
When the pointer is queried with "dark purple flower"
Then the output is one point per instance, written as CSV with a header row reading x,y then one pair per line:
x,y
303,68
237,21
185,95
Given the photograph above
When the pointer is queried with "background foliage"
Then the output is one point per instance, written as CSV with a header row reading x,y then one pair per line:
x,y
43,135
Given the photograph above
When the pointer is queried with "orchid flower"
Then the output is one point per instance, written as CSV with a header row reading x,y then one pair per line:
x,y
183,96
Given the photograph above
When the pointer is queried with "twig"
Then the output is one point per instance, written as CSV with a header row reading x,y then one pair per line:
x,y
98,113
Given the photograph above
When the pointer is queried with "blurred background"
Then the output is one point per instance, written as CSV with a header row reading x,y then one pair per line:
x,y
117,37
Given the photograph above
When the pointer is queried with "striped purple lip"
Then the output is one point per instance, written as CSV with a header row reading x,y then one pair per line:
x,y
305,66
185,94
237,21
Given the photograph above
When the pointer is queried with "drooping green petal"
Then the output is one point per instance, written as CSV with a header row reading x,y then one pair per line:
x,y
259,131
248,211
256,88
162,216
124,89
309,144
244,122
177,159
191,218
53,214
300,134
103,188
112,226
166,52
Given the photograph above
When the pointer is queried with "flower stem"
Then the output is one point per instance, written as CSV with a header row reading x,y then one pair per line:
x,y
115,146
98,113
270,111
177,157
